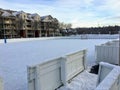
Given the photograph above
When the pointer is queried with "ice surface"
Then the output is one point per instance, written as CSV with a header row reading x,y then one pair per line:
x,y
14,57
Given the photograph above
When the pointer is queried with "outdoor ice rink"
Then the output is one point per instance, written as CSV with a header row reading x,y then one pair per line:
x,y
16,56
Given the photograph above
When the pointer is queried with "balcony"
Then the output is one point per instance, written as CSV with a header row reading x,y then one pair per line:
x,y
28,28
7,22
28,23
7,28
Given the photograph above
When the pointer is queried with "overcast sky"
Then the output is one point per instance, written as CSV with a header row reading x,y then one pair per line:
x,y
81,13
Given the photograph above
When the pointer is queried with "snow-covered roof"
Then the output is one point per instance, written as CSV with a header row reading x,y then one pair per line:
x,y
46,18
17,13
35,14
6,14
55,19
31,16
43,17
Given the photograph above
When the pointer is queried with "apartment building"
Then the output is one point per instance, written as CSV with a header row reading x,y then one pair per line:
x,y
36,24
19,24
49,26
8,25
28,24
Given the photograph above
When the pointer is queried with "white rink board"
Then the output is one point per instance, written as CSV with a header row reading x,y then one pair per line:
x,y
108,52
109,77
74,64
45,76
55,73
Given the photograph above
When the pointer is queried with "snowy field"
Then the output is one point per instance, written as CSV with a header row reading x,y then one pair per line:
x,y
15,57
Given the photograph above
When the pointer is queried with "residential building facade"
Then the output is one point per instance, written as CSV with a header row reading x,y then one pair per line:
x,y
7,25
19,24
49,26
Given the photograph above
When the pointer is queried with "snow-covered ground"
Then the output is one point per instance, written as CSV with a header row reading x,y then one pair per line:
x,y
84,81
14,57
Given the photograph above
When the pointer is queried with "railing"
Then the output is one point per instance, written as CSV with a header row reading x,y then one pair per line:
x,y
99,36
57,72
109,77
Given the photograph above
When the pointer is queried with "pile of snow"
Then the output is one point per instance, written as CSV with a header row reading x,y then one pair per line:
x,y
15,57
84,81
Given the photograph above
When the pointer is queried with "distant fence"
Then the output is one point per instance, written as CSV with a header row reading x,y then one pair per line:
x,y
91,36
25,39
1,84
57,72
108,77
84,36
108,52
99,36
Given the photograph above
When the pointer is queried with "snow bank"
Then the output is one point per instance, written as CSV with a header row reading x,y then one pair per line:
x,y
84,81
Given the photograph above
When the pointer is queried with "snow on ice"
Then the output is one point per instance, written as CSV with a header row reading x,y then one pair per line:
x,y
15,57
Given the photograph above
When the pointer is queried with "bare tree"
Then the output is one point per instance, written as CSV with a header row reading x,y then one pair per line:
x,y
68,26
63,25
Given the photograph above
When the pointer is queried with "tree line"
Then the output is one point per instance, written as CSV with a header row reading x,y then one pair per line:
x,y
66,30
99,30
